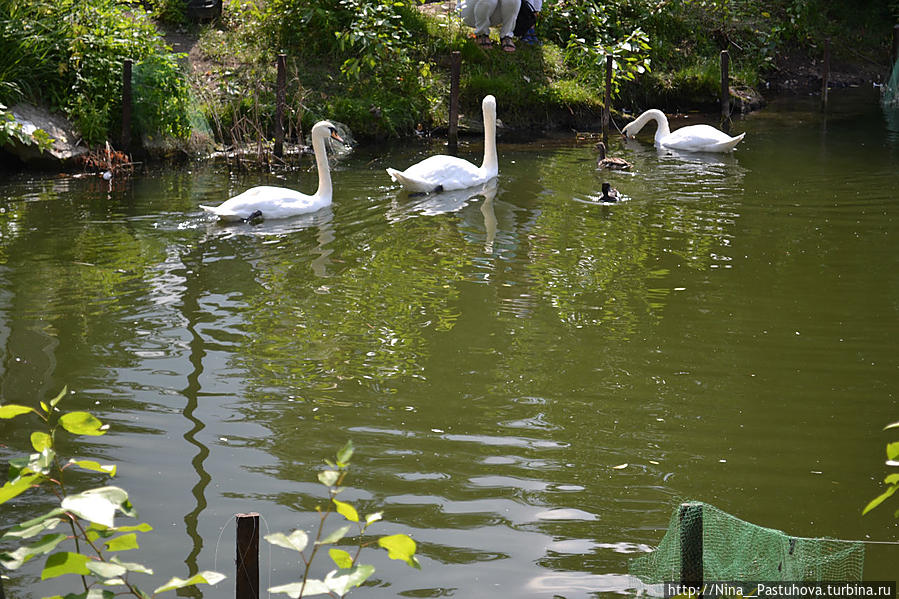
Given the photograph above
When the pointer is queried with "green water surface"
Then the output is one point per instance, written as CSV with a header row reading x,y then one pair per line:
x,y
532,380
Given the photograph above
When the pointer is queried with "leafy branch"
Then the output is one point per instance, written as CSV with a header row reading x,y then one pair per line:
x,y
89,515
891,480
349,573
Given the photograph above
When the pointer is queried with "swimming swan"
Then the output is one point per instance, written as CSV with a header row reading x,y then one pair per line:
x,y
279,202
693,138
447,173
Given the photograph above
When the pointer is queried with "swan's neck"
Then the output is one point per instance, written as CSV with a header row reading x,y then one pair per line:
x,y
324,170
659,117
491,162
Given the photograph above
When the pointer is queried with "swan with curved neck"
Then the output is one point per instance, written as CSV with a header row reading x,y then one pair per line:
x,y
692,138
271,202
446,173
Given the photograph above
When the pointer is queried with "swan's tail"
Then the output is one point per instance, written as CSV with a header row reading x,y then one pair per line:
x,y
727,146
410,184
222,214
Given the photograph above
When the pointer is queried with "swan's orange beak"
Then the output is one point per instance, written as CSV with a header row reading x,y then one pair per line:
x,y
337,137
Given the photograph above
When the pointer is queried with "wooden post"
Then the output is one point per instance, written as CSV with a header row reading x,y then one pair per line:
x,y
279,108
607,101
825,74
895,43
126,105
455,72
247,583
690,517
725,86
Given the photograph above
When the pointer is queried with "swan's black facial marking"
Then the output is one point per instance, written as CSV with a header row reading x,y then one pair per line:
x,y
255,216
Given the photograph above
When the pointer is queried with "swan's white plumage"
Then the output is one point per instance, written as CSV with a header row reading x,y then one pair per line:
x,y
281,202
692,138
448,173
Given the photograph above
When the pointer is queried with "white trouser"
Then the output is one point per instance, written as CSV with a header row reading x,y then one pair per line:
x,y
482,14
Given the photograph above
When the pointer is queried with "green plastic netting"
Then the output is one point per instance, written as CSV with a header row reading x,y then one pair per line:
x,y
890,91
734,550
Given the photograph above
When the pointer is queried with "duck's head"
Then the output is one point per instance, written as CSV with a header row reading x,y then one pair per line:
x,y
601,148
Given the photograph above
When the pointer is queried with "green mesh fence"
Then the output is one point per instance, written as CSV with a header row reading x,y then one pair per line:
x,y
890,90
704,543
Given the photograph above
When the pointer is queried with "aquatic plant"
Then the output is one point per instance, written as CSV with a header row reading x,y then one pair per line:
x,y
891,480
349,573
88,515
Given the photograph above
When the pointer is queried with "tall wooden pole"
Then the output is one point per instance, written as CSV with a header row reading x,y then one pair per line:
x,y
455,73
690,517
825,74
895,43
607,102
126,104
281,93
725,87
247,583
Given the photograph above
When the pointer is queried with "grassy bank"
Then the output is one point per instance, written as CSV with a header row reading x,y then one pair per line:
x,y
382,66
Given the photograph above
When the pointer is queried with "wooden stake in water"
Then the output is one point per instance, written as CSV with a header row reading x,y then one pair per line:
x,y
279,108
247,583
690,520
607,101
126,106
725,88
455,73
895,43
825,74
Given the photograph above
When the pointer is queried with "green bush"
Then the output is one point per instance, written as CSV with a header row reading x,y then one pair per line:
x,y
68,55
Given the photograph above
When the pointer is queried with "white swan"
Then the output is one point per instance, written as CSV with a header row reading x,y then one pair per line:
x,y
447,173
693,138
279,202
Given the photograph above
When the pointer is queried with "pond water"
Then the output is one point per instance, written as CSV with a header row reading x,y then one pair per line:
x,y
532,380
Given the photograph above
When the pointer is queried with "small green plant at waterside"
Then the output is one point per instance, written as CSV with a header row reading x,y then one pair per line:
x,y
87,517
891,480
10,130
349,572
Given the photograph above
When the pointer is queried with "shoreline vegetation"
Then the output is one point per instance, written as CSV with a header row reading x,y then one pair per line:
x,y
381,67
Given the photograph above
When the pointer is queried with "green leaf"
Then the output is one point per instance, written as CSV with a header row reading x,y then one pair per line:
x,y
23,531
334,536
328,477
341,558
297,540
109,469
346,510
106,570
64,563
123,543
891,479
345,453
41,441
45,407
44,545
82,423
142,527
131,566
97,505
16,487
12,410
372,518
879,499
59,397
343,581
205,577
313,587
891,425
400,547
892,450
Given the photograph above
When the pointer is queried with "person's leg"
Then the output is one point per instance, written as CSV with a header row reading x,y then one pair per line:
x,y
477,14
508,12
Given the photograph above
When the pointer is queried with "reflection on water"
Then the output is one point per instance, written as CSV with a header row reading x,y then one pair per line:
x,y
531,380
